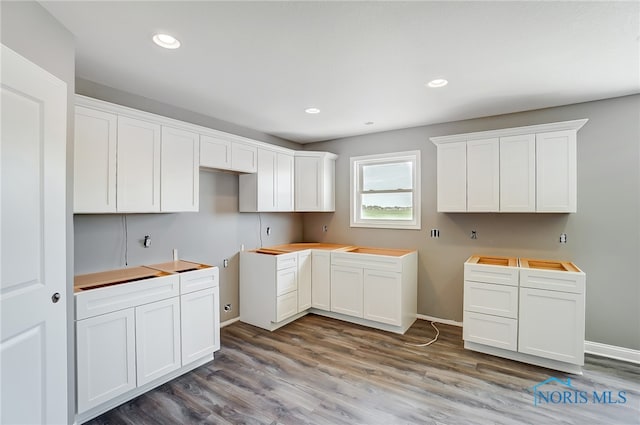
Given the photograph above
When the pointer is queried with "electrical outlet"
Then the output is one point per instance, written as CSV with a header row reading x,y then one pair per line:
x,y
268,231
147,241
563,238
325,228
225,263
435,233
474,234
227,308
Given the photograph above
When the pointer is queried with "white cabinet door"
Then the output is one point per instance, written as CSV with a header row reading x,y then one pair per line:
x,y
244,157
551,325
215,152
304,280
495,331
157,339
346,290
556,176
200,324
94,183
106,357
452,177
266,184
138,159
308,183
284,182
179,171
382,296
321,280
483,175
518,173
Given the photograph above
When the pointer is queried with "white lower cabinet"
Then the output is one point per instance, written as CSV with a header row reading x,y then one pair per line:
x,y
346,290
539,321
133,336
321,278
106,357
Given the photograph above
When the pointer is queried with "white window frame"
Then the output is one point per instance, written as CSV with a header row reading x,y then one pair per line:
x,y
357,163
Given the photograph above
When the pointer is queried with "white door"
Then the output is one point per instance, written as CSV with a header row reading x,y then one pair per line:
x,y
32,254
157,339
346,290
106,357
215,152
483,175
556,174
138,159
267,186
518,173
284,182
452,177
200,324
179,170
382,292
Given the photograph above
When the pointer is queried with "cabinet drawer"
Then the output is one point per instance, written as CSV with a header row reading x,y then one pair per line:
x,y
197,280
491,274
286,306
112,298
553,280
286,281
488,298
284,261
490,330
366,261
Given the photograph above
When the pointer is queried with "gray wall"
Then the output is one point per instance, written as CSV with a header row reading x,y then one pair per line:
x,y
211,235
603,236
28,29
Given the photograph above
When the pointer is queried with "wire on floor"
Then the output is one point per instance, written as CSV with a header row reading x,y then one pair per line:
x,y
426,344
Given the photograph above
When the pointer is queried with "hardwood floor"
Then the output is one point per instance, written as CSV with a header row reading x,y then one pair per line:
x,y
323,371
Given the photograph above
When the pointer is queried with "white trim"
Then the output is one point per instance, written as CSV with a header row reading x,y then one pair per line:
x,y
355,180
438,320
229,322
612,352
530,129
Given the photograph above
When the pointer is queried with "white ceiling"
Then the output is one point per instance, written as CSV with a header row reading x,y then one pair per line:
x,y
260,64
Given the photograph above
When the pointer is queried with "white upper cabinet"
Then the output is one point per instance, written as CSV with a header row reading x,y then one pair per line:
x,y
518,173
315,181
271,188
215,152
452,177
556,171
138,163
483,175
179,170
95,161
244,157
227,154
523,169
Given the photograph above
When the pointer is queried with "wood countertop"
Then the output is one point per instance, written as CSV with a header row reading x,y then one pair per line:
x,y
83,282
295,247
553,265
492,260
179,266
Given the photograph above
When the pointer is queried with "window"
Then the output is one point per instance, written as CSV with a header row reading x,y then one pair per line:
x,y
385,190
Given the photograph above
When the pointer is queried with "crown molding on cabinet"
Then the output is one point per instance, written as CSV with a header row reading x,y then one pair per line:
x,y
513,131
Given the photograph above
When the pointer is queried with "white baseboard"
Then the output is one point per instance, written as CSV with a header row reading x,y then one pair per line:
x,y
438,320
229,322
612,352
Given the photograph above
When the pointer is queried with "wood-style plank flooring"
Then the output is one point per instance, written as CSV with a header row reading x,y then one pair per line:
x,y
323,371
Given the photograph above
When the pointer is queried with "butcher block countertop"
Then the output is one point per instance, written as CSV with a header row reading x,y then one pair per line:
x,y
83,282
554,265
294,247
179,266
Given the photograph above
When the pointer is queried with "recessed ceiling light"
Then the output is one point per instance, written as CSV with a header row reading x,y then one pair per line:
x,y
438,82
167,41
312,111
